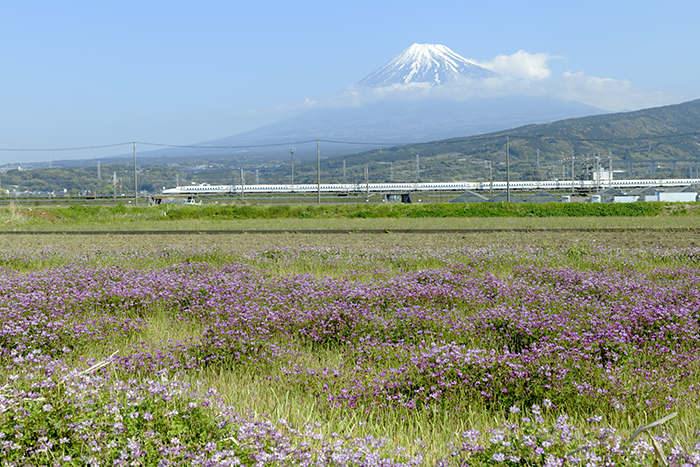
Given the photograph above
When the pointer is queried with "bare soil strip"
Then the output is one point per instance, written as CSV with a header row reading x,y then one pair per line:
x,y
342,231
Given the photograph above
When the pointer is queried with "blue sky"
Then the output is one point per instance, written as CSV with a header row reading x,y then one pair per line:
x,y
84,73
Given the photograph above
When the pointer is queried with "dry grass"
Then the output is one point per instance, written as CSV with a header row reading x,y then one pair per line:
x,y
248,242
14,216
38,223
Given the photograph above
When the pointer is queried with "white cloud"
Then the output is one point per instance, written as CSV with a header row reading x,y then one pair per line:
x,y
607,94
604,93
521,64
521,74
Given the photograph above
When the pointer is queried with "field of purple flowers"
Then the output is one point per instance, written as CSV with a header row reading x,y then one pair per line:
x,y
477,356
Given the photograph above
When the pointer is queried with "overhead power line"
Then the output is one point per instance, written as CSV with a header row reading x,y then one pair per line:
x,y
360,143
192,146
225,147
271,145
67,149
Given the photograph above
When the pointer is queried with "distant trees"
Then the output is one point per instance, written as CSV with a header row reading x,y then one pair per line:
x,y
84,179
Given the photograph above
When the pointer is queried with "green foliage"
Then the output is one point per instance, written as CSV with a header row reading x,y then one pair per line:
x,y
435,210
101,214
151,178
83,211
118,209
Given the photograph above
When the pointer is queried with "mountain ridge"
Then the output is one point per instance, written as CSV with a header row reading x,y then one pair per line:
x,y
668,135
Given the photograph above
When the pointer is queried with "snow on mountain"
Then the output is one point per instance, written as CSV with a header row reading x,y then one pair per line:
x,y
426,63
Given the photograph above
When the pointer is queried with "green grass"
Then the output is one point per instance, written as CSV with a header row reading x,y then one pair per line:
x,y
338,216
120,218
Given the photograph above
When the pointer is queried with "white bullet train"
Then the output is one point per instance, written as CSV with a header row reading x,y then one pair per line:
x,y
360,188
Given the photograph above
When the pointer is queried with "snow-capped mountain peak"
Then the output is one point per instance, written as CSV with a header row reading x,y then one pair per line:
x,y
426,63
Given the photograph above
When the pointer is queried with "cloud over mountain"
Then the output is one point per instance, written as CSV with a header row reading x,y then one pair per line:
x,y
433,71
425,71
521,65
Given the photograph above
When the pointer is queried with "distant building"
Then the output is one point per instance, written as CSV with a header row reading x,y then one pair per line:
x,y
469,197
502,197
625,199
608,195
680,194
642,192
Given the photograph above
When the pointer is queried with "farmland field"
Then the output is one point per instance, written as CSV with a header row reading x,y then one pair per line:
x,y
512,348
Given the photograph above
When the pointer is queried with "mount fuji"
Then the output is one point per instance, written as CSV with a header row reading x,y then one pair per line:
x,y
410,99
426,63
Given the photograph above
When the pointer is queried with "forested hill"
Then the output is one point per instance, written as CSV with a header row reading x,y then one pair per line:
x,y
654,122
641,135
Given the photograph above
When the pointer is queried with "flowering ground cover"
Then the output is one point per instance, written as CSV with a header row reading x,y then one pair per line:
x,y
339,356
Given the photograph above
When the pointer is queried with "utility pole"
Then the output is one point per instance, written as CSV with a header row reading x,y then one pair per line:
x,y
507,170
257,176
490,166
572,172
367,180
417,168
345,179
538,163
291,151
242,183
136,191
563,168
610,175
114,185
318,168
